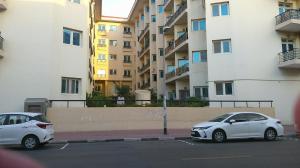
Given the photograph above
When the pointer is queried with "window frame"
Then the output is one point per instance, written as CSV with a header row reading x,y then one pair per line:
x,y
70,88
220,9
222,50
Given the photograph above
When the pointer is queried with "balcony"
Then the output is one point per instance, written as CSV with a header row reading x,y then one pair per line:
x,y
144,68
181,39
288,21
144,32
146,85
290,60
183,69
168,5
1,46
169,48
144,50
179,11
2,5
170,75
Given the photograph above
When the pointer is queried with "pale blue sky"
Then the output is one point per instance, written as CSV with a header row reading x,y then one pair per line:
x,y
118,8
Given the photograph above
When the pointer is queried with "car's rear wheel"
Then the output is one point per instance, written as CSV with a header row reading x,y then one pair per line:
x,y
270,134
219,136
30,142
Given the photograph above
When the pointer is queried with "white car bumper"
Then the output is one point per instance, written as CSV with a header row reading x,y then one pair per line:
x,y
200,134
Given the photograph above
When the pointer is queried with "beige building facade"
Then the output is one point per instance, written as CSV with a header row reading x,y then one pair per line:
x,y
114,59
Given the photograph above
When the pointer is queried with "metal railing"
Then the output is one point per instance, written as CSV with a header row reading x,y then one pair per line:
x,y
159,103
290,55
143,32
181,39
183,69
169,48
1,42
142,52
170,75
288,15
182,8
144,67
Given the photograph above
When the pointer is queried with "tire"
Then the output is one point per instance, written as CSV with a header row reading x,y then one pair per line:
x,y
270,134
219,136
30,142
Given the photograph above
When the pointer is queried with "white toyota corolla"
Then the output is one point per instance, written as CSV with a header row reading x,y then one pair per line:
x,y
27,129
238,125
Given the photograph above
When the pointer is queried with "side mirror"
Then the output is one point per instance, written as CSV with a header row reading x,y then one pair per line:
x,y
232,121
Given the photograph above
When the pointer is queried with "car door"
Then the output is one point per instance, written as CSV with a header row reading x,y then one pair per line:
x,y
3,122
238,129
257,125
15,129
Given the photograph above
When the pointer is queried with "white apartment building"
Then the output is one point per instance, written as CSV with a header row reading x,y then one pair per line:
x,y
45,53
252,52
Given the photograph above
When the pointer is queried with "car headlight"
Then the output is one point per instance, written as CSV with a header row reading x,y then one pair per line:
x,y
201,128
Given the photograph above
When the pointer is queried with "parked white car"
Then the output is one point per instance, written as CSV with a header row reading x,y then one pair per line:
x,y
238,125
27,129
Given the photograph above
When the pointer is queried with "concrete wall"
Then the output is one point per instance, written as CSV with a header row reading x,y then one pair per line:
x,y
133,118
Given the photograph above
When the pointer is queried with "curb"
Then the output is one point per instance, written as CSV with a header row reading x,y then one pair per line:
x,y
140,139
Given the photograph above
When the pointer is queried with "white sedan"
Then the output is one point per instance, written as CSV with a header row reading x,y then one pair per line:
x,y
238,125
27,129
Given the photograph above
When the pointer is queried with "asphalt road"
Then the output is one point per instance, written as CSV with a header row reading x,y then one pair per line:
x,y
164,154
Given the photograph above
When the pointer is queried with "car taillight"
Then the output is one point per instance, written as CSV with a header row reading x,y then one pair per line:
x,y
43,126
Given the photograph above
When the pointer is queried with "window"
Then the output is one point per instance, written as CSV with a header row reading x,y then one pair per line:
x,y
101,57
112,57
255,117
283,7
182,62
142,17
147,9
127,59
70,85
113,28
154,77
171,68
199,56
220,9
201,92
113,43
199,24
224,88
153,37
161,73
287,45
101,73
160,9
3,120
127,44
17,119
222,46
127,30
161,30
127,73
75,1
153,18
161,52
152,1
102,43
101,28
239,118
113,72
153,57
71,37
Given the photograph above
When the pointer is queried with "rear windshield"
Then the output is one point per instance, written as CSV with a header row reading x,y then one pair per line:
x,y
40,118
220,118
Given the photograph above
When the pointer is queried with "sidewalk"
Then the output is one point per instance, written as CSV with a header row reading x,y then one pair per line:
x,y
133,135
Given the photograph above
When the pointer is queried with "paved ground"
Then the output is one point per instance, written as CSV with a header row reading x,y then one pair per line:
x,y
104,135
171,153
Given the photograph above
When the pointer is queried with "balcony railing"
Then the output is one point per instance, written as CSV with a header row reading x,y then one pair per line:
x,y
183,69
143,32
181,39
1,42
288,15
170,75
169,48
144,67
182,8
290,55
142,52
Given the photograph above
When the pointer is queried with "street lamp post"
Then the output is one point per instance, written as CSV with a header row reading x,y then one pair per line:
x,y
165,112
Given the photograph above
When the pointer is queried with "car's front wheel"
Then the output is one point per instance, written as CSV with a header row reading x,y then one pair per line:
x,y
219,136
270,134
30,142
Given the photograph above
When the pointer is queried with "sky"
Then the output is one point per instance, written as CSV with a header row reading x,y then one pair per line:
x,y
117,8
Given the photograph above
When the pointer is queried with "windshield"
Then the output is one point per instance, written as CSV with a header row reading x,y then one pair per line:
x,y
40,118
220,118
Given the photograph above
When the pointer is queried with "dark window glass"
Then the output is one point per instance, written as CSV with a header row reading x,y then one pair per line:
x,y
217,46
76,38
255,117
40,118
67,36
228,88
220,118
219,88
239,118
3,119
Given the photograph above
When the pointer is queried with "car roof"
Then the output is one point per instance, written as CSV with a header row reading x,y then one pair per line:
x,y
245,112
22,113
